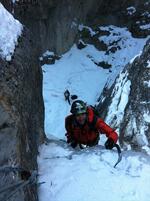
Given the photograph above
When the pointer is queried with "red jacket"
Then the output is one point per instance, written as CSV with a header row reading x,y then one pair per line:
x,y
90,131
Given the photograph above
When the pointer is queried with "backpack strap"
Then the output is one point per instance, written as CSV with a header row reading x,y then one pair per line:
x,y
69,123
92,118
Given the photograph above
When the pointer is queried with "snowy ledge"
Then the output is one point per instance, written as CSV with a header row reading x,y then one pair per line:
x,y
10,30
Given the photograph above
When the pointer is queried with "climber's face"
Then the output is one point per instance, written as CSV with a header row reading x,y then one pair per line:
x,y
81,118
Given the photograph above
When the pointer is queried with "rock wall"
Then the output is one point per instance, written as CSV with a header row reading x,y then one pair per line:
x,y
126,105
54,23
133,14
21,113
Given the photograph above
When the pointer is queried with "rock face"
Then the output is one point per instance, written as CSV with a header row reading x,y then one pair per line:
x,y
54,24
126,105
21,113
133,14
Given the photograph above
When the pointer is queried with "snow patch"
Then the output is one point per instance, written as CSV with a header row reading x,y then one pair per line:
x,y
48,53
147,149
126,47
120,96
138,55
148,64
141,138
74,23
54,151
147,117
131,10
130,128
146,26
10,30
147,3
146,14
81,27
147,83
137,131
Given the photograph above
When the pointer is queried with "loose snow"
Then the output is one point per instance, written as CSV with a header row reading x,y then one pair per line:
x,y
88,175
10,30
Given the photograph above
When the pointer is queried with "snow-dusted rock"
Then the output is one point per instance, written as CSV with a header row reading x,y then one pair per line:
x,y
126,105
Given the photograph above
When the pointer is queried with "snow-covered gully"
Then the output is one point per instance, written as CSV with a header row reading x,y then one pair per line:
x,y
88,174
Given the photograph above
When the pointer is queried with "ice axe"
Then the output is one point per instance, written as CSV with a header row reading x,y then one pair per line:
x,y
119,154
69,97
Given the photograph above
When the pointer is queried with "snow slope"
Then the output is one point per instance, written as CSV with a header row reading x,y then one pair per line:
x,y
10,30
87,175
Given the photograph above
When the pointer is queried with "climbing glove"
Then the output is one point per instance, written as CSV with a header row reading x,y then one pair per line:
x,y
73,144
109,144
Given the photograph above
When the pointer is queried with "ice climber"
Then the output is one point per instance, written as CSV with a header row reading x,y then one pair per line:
x,y
84,127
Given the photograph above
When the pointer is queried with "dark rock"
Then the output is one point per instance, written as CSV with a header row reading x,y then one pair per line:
x,y
138,32
103,64
93,39
85,33
54,24
49,59
125,13
21,114
100,45
102,32
113,49
81,45
8,4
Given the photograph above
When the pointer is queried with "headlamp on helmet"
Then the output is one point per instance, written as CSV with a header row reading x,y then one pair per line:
x,y
78,107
